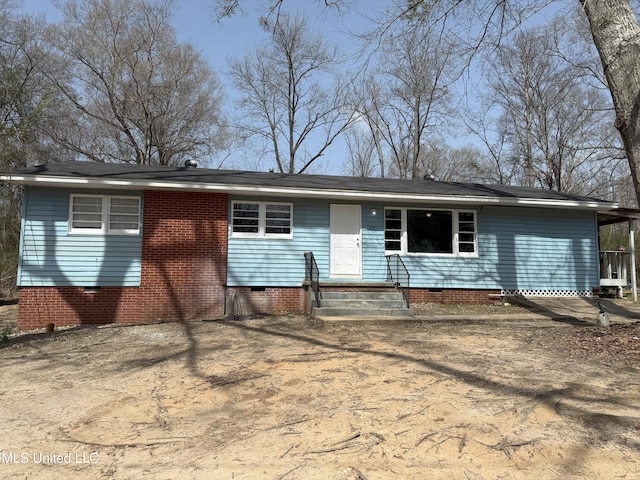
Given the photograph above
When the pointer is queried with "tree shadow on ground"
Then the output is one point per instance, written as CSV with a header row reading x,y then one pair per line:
x,y
563,399
585,309
194,344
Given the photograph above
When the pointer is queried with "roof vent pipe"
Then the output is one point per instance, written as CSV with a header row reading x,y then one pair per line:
x,y
190,163
429,176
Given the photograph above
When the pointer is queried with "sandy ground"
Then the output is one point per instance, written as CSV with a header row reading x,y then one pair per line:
x,y
284,398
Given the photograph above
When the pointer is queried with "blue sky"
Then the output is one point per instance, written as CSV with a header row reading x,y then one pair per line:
x,y
194,23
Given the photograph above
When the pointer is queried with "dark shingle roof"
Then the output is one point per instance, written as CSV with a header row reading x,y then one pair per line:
x,y
149,176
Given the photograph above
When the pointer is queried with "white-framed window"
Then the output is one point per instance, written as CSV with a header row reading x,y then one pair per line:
x,y
261,219
104,215
428,231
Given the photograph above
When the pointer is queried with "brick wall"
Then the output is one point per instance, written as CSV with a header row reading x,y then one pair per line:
x,y
184,251
72,306
184,245
249,301
455,296
430,295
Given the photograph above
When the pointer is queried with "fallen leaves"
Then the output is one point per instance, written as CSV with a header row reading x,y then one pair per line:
x,y
621,342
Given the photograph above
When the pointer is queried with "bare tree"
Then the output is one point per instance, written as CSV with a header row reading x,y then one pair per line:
x,y
556,124
494,165
450,164
419,68
405,100
614,29
28,101
613,25
139,95
291,98
361,147
366,96
222,9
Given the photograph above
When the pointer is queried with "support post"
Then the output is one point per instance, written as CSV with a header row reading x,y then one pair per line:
x,y
632,248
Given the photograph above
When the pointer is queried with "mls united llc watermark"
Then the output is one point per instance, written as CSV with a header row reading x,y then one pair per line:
x,y
49,458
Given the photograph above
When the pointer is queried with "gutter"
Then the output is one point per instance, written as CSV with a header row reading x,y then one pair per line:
x,y
297,192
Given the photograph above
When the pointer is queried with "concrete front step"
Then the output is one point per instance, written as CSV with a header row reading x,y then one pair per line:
x,y
386,303
383,295
368,320
362,312
364,303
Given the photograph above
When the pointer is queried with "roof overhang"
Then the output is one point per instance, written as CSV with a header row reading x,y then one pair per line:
x,y
297,192
617,215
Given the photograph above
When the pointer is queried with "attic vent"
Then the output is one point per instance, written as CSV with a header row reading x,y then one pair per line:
x,y
429,176
191,163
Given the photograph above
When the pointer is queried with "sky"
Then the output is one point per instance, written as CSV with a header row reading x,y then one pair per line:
x,y
217,42
193,22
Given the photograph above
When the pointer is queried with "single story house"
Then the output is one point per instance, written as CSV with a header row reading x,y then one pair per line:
x,y
122,243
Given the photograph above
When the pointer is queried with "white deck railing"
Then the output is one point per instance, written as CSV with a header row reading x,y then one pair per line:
x,y
614,268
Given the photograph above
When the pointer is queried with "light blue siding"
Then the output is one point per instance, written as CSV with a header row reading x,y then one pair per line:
x,y
433,271
518,249
374,262
280,262
541,248
49,256
275,262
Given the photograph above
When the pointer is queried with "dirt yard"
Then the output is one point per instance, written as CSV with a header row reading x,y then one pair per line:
x,y
283,398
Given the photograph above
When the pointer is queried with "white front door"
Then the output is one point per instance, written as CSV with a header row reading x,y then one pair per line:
x,y
345,226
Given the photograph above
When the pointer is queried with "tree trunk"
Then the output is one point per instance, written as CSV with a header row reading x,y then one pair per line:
x,y
616,34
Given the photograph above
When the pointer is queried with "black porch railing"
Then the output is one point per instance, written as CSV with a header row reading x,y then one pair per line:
x,y
397,273
312,275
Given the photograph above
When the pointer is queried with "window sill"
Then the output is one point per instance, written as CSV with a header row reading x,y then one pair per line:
x,y
440,255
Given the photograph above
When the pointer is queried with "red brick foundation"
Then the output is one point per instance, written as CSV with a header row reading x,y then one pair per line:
x,y
184,247
454,296
161,300
65,306
430,295
249,301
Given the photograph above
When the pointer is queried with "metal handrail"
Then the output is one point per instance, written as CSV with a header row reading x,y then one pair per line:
x,y
398,274
312,275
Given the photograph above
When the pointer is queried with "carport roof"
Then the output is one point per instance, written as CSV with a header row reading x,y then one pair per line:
x,y
129,176
618,215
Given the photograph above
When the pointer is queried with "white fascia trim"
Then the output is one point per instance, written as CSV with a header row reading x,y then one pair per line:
x,y
302,192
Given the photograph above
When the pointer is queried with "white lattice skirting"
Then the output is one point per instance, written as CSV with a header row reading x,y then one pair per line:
x,y
546,293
